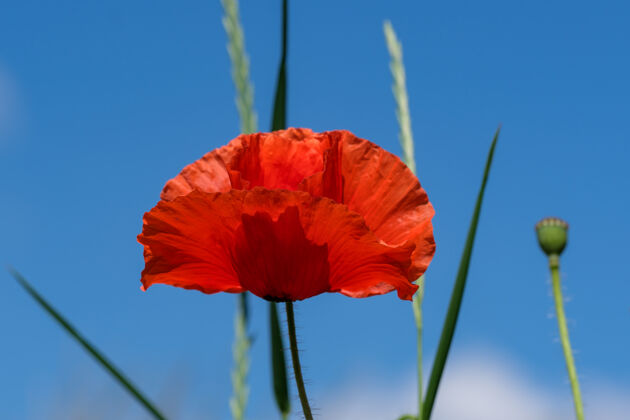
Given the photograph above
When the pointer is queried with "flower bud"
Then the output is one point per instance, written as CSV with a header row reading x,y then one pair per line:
x,y
552,235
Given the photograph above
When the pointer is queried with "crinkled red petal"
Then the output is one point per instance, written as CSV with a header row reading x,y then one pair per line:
x,y
334,164
378,186
278,244
281,159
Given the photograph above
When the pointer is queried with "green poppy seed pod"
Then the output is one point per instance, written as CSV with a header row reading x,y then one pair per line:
x,y
552,235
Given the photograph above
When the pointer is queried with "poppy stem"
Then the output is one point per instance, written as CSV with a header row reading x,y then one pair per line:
x,y
554,266
299,380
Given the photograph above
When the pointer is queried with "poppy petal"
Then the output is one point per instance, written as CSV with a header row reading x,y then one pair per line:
x,y
334,164
206,174
275,260
277,160
183,246
361,265
379,186
278,244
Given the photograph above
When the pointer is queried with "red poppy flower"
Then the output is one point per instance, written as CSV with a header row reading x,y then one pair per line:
x,y
288,215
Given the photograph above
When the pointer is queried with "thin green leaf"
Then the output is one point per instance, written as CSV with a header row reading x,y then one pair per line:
x,y
100,358
456,297
279,122
244,306
278,362
279,119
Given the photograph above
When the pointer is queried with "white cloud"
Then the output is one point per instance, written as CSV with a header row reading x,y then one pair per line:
x,y
479,386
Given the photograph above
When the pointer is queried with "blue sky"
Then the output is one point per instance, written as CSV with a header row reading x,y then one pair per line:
x,y
101,103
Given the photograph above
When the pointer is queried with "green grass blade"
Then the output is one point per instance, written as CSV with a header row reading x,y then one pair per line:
x,y
248,124
278,363
279,119
240,66
240,351
100,358
399,89
456,297
278,122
